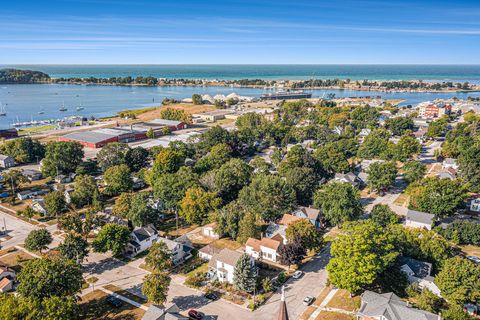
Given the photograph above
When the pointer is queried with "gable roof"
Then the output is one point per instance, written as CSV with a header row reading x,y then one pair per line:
x,y
270,243
311,213
143,233
4,157
288,218
422,217
254,243
210,249
170,312
421,269
5,282
227,256
391,307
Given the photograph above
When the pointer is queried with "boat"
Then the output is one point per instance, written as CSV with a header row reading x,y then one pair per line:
x,y
3,112
41,111
80,108
63,108
286,94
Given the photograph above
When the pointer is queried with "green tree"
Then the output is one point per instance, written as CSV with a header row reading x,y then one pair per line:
x,y
381,175
155,287
168,160
406,148
414,171
150,133
459,281
218,155
55,202
52,308
47,277
170,188
196,98
118,179
62,157
137,158
74,247
85,191
359,255
374,144
365,117
159,257
197,204
332,158
231,177
383,215
292,253
248,228
437,128
469,166
339,202
306,232
440,197
175,114
304,182
14,178
227,219
140,212
23,150
112,237
429,301
399,125
38,240
113,154
268,196
245,274
455,312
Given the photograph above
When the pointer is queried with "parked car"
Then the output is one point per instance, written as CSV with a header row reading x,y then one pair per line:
x,y
474,259
4,195
194,314
308,300
117,303
211,296
297,274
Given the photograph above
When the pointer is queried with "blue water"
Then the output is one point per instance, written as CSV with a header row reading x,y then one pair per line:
x,y
24,101
356,72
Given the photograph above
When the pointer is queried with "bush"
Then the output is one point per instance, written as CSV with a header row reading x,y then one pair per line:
x,y
196,280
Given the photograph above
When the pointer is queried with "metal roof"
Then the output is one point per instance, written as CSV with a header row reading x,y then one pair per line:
x,y
90,136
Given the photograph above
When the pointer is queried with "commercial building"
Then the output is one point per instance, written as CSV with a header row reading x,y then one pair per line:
x,y
212,116
8,133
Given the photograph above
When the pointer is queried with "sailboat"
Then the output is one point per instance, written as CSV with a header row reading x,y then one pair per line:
x,y
3,112
63,107
80,108
41,111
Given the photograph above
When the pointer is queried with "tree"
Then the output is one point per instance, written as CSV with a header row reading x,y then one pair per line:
x,y
383,215
168,160
52,308
381,175
429,301
55,202
364,117
137,158
440,197
118,179
47,277
140,212
414,171
38,240
113,154
339,202
227,219
399,125
459,281
374,144
245,274
248,228
62,157
455,312
268,196
218,155
462,232
170,188
155,287
306,232
112,237
74,247
359,255
469,166
332,158
231,177
175,114
197,204
304,182
292,253
14,178
437,128
85,191
23,150
71,223
196,98
406,147
159,257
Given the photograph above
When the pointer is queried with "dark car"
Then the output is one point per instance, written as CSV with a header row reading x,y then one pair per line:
x,y
211,296
194,314
117,303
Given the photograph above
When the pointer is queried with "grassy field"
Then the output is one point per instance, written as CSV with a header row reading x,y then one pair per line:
x,y
325,315
342,300
93,306
36,129
471,250
125,293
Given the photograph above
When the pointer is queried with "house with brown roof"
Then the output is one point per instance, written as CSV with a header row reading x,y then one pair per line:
x,y
7,278
313,215
208,251
222,264
264,249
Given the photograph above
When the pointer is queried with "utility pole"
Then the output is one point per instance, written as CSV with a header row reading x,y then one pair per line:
x,y
176,219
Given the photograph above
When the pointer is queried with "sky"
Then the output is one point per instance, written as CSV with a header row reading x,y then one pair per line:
x,y
239,32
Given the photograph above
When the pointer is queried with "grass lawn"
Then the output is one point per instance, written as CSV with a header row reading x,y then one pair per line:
x,y
307,313
15,259
342,300
471,250
125,293
322,296
93,306
401,200
36,129
227,243
325,315
201,268
9,250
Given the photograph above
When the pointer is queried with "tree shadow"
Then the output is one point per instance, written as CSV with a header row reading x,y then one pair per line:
x,y
190,302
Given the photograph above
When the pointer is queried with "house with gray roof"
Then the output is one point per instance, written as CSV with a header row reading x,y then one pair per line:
x,y
419,272
311,214
349,177
222,264
388,306
181,248
418,219
142,239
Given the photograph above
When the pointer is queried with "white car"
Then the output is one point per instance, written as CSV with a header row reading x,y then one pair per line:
x,y
297,274
474,259
308,300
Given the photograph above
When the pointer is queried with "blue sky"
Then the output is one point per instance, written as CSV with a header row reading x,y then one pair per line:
x,y
239,31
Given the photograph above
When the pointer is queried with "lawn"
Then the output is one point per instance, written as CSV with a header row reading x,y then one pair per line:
x,y
322,295
325,315
307,313
93,306
227,243
125,293
342,300
201,268
402,200
471,250
15,259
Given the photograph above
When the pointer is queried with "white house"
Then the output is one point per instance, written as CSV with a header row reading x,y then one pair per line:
x,y
222,265
209,231
475,205
6,161
264,249
417,219
208,251
349,177
7,278
142,239
39,206
180,248
450,163
419,272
